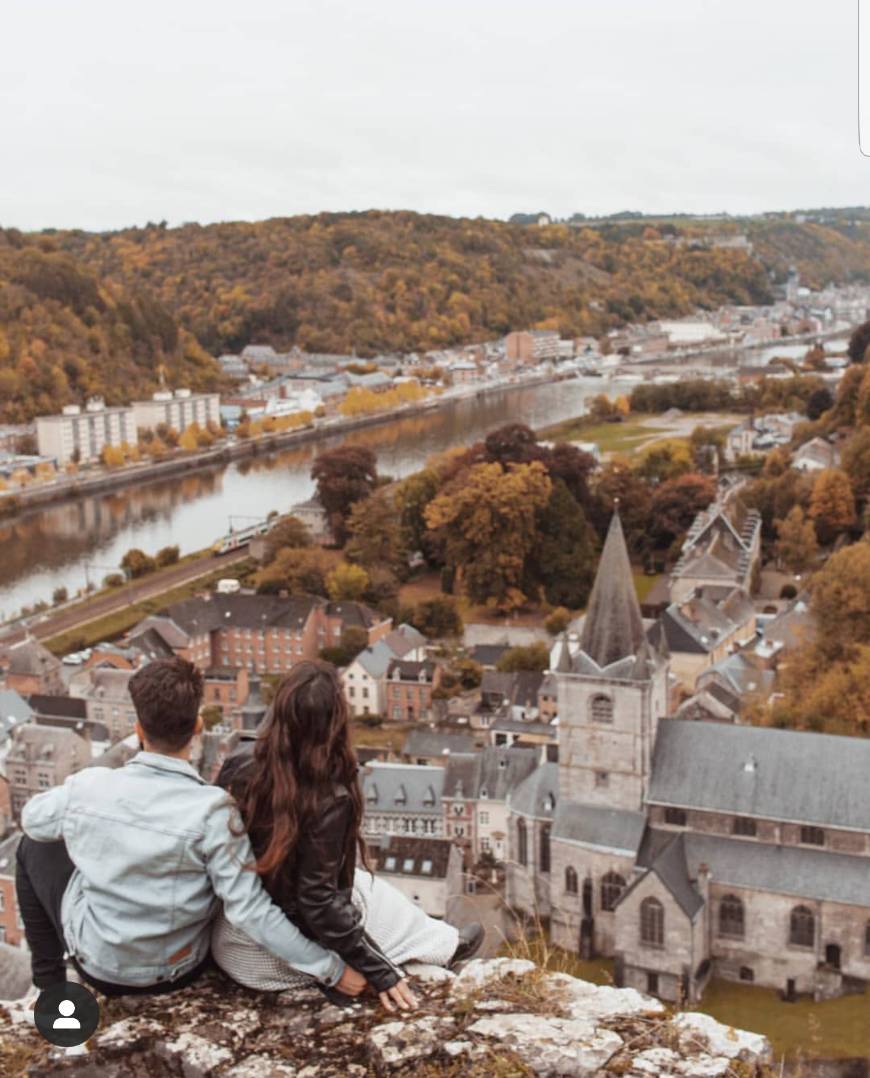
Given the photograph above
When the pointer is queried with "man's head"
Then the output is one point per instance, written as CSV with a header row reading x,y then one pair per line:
x,y
167,694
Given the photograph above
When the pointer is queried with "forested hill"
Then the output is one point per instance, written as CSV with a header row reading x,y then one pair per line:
x,y
67,334
84,313
381,281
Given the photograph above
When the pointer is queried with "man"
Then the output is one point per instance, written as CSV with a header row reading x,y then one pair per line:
x,y
123,869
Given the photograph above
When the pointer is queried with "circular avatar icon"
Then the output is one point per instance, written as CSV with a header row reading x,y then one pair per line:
x,y
66,1014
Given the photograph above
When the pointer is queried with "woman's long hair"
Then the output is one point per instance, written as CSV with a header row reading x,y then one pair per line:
x,y
301,755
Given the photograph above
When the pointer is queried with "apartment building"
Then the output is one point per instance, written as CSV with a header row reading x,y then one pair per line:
x,y
41,757
178,410
81,436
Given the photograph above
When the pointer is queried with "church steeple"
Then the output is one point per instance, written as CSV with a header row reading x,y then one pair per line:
x,y
613,628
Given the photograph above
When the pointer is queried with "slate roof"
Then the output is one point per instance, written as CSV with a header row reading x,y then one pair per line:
x,y
519,688
766,773
795,626
65,707
408,670
739,675
599,827
351,613
14,710
613,628
404,856
699,623
538,794
669,863
111,684
30,659
423,742
461,775
385,785
787,870
488,655
154,644
376,658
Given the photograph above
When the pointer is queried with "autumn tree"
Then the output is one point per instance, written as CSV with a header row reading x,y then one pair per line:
x,y
832,505
514,443
437,617
858,343
347,581
167,555
856,462
839,594
376,534
136,563
296,570
818,402
557,621
343,476
796,545
618,483
488,517
675,504
411,498
561,562
289,531
533,657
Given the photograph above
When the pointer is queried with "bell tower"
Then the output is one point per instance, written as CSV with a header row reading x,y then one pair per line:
x,y
612,690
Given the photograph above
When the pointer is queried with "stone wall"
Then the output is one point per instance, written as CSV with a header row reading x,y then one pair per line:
x,y
501,1016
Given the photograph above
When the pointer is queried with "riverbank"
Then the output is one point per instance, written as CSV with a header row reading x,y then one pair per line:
x,y
70,488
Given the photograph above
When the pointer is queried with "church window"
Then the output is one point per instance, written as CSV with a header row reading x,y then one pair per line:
x,y
867,939
570,881
544,852
812,836
675,816
522,843
612,886
732,920
744,826
601,708
652,923
747,974
802,928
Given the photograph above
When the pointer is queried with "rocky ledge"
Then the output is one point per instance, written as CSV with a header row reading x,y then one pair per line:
x,y
502,1017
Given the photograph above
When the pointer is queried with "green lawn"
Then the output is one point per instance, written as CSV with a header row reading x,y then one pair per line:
x,y
835,1029
609,437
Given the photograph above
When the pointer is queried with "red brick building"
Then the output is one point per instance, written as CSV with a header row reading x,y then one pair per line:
x,y
11,931
268,634
409,687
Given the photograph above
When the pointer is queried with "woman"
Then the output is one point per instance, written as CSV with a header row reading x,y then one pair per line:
x,y
297,790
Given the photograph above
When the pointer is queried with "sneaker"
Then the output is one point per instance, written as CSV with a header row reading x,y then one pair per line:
x,y
470,938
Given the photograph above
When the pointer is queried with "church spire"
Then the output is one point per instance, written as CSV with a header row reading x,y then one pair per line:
x,y
613,628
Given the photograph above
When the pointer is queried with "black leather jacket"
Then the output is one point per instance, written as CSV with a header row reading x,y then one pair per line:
x,y
315,892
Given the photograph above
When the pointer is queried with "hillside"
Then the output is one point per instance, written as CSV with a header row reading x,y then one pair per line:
x,y
381,281
85,313
66,334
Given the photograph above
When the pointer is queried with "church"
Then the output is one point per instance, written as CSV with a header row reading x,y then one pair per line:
x,y
682,849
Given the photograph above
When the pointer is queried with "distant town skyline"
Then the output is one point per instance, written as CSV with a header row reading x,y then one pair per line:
x,y
113,117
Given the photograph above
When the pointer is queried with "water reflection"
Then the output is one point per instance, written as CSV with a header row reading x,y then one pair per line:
x,y
65,544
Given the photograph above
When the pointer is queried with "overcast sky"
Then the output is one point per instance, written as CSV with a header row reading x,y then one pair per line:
x,y
113,114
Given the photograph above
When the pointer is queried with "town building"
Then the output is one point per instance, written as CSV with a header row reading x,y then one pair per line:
x,y
722,548
14,710
532,345
365,678
30,668
429,745
428,871
268,634
815,456
408,689
688,849
80,436
105,692
402,799
178,410
316,520
41,757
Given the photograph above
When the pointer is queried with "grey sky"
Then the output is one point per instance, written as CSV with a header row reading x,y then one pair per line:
x,y
113,114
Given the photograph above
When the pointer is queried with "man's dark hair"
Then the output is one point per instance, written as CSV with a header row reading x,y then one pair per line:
x,y
167,694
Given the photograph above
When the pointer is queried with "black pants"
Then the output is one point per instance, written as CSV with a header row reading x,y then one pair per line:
x,y
42,872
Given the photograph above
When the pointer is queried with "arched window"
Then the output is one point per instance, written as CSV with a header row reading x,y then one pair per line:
x,y
652,923
544,853
522,843
802,928
612,886
867,939
601,708
570,881
732,919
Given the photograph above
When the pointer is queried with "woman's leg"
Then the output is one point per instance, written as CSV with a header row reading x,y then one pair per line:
x,y
399,927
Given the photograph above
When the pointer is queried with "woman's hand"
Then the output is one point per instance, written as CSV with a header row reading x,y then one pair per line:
x,y
400,995
351,982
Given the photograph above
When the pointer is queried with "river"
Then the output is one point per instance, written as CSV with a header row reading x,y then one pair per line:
x,y
65,545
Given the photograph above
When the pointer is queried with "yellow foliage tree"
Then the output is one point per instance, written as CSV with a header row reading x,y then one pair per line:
x,y
347,581
832,504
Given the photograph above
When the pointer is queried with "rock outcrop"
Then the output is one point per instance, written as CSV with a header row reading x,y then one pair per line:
x,y
499,1017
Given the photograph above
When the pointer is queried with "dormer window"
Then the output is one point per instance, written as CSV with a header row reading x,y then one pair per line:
x,y
549,803
401,797
372,795
429,799
483,794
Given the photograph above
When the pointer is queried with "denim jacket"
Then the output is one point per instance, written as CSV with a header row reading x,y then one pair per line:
x,y
154,853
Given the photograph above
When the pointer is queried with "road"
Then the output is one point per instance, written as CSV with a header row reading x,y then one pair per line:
x,y
78,614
